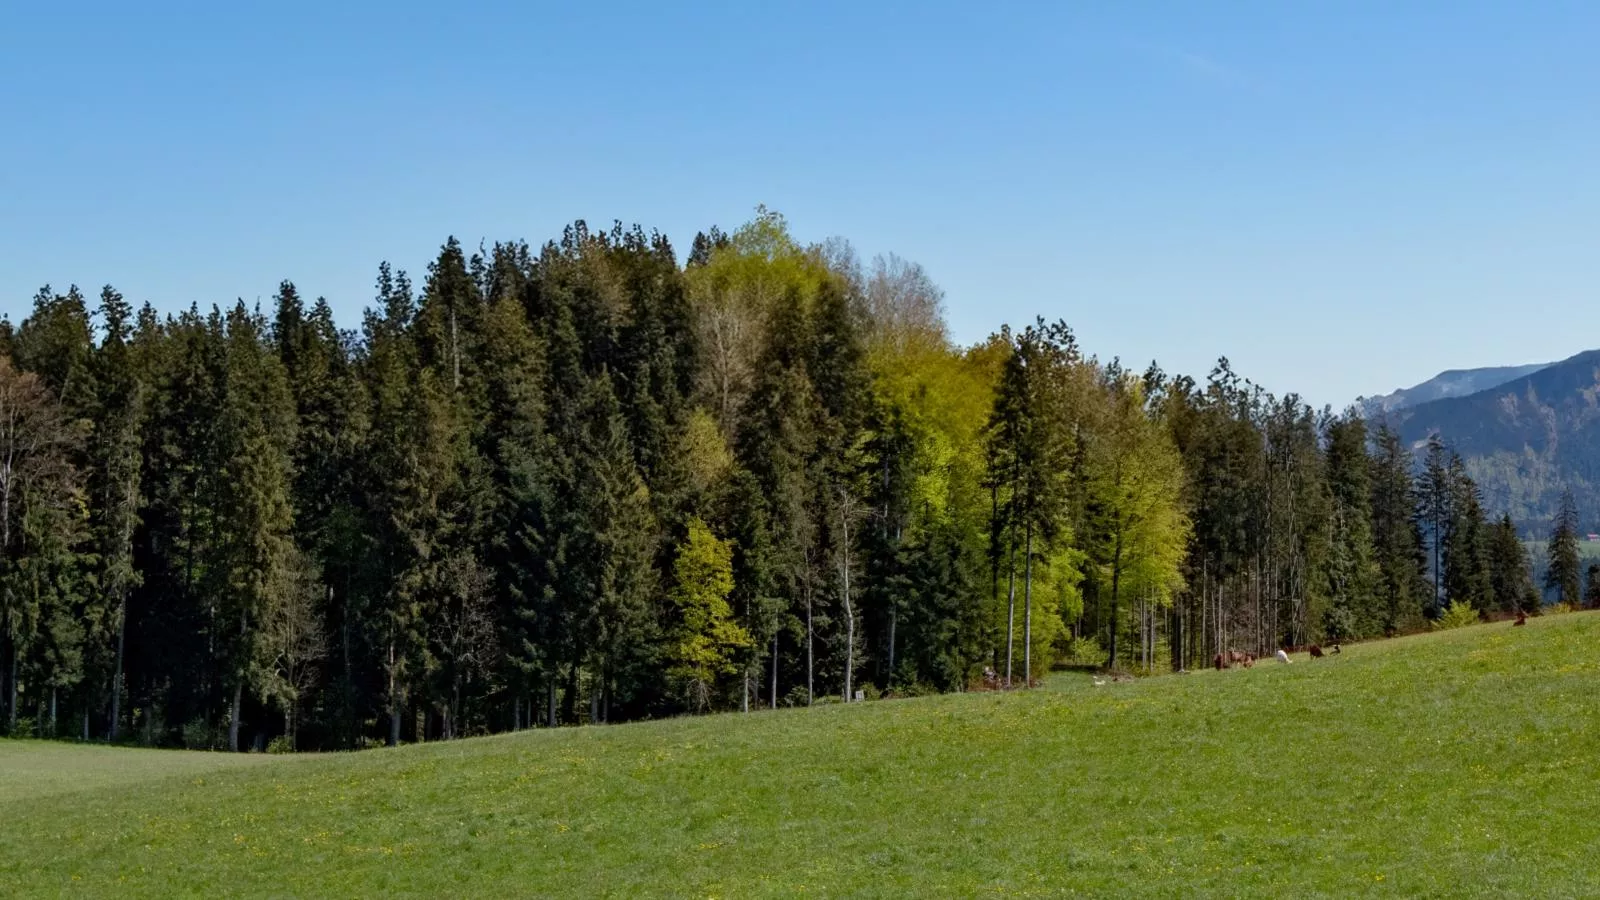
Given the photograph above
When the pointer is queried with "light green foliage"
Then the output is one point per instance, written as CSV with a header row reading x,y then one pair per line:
x,y
706,636
1458,614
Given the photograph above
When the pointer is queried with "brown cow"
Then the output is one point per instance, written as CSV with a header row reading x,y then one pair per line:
x,y
1219,663
1522,619
1315,651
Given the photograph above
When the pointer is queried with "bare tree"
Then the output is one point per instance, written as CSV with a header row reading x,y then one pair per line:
x,y
292,643
904,305
463,631
36,478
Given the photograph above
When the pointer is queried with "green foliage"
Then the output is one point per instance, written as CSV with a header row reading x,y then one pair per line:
x,y
1563,576
706,636
1458,614
582,483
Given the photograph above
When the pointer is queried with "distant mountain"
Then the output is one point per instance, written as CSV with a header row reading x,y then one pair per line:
x,y
1523,440
1454,383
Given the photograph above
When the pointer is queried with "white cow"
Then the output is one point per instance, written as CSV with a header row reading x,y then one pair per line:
x,y
1283,657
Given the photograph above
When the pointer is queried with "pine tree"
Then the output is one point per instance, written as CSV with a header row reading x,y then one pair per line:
x,y
613,555
1563,575
116,490
1397,534
1353,569
1467,575
1509,570
1435,495
256,552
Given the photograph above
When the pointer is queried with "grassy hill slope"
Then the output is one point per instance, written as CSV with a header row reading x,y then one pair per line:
x,y
1452,764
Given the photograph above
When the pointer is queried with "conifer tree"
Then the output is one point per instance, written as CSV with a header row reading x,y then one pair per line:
x,y
1563,575
1353,570
1508,566
1397,533
121,397
255,553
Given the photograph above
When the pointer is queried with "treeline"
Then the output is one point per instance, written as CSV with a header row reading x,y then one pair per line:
x,y
588,483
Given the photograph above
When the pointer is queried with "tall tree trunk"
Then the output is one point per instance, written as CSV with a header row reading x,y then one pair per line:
x,y
811,693
550,715
52,711
11,690
894,618
394,702
1116,586
1011,600
774,697
849,612
233,716
116,677
744,673
1027,609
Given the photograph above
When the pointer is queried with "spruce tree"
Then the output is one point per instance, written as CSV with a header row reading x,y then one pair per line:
x,y
1563,575
116,489
1397,533
1508,566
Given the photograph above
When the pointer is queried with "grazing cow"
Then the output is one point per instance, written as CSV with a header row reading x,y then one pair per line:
x,y
1315,651
1283,657
1236,656
1335,649
1249,660
1522,619
1219,663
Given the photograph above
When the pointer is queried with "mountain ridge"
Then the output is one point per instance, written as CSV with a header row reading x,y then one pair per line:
x,y
1524,440
1447,384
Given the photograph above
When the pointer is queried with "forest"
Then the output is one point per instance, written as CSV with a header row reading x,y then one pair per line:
x,y
594,481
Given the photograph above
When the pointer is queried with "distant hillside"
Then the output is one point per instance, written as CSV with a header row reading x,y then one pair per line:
x,y
1524,440
1454,383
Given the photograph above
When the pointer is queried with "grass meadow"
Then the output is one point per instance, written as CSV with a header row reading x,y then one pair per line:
x,y
1455,764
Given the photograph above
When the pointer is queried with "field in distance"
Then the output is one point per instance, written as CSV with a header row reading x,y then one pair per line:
x,y
1454,764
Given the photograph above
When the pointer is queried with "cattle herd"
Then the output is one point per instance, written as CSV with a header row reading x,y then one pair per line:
x,y
1239,658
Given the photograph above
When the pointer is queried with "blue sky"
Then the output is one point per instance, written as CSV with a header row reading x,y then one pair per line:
x,y
1341,197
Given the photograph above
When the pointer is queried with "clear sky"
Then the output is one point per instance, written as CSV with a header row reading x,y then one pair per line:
x,y
1343,197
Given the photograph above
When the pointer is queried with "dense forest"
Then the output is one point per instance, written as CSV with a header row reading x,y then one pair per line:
x,y
593,482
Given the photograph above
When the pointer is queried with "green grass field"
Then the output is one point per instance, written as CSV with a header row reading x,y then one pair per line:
x,y
1455,764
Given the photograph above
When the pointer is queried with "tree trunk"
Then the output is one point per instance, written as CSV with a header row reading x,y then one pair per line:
x,y
550,687
394,703
52,711
233,716
774,698
1011,601
811,694
116,677
1027,610
11,691
1116,584
744,673
849,613
894,617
